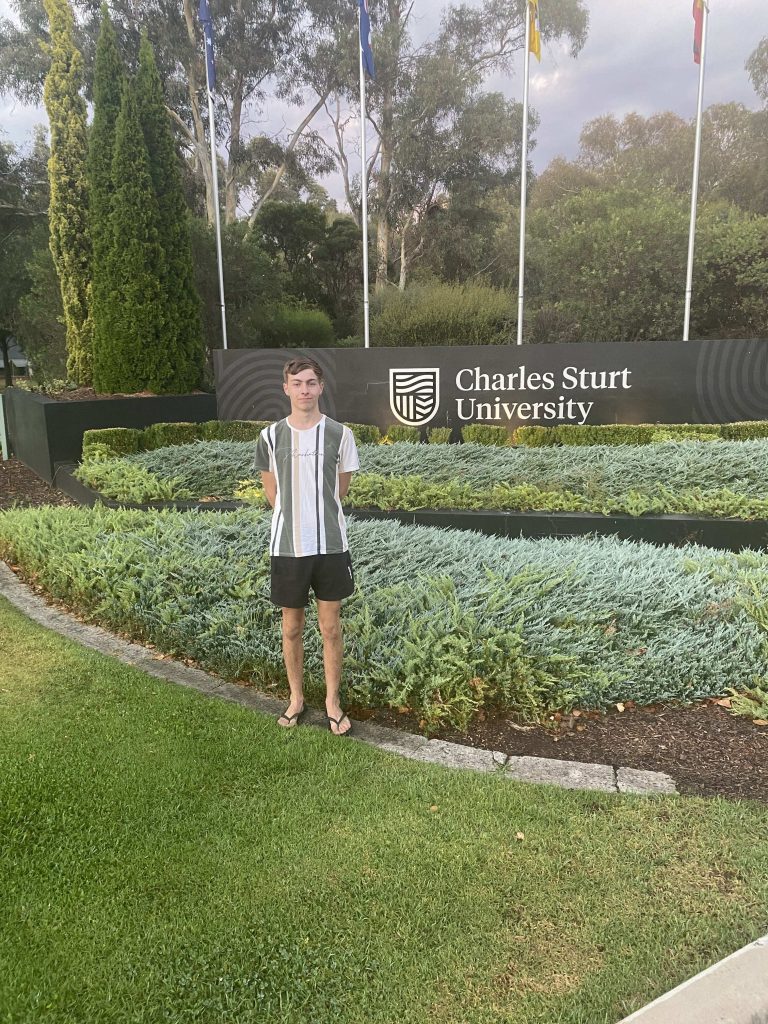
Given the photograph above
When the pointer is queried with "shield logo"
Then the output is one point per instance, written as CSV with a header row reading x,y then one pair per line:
x,y
414,395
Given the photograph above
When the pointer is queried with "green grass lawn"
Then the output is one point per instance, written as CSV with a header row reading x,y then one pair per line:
x,y
169,858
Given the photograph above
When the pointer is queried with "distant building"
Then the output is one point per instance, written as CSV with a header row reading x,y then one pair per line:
x,y
19,363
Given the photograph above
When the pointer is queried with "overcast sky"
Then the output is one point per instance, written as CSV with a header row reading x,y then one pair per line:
x,y
638,57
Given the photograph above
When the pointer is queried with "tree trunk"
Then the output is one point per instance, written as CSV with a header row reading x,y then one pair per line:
x,y
6,359
199,142
282,168
230,185
384,190
403,260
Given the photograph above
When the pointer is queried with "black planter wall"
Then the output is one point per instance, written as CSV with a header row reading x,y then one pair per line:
x,y
44,433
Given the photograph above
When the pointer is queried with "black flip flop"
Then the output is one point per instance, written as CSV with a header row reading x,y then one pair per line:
x,y
289,718
337,722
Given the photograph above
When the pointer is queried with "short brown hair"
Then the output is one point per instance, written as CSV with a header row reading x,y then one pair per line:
x,y
294,366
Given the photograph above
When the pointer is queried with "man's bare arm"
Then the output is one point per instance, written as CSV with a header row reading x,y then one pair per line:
x,y
269,483
344,481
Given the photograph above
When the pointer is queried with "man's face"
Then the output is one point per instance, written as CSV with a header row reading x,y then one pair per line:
x,y
304,390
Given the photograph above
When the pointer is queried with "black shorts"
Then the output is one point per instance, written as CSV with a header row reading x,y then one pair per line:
x,y
329,576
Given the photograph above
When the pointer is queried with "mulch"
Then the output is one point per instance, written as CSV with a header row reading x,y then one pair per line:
x,y
706,749
20,486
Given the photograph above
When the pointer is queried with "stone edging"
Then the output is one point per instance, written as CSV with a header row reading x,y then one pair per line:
x,y
567,774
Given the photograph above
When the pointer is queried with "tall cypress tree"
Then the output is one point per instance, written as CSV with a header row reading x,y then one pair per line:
x,y
177,360
107,83
68,209
135,264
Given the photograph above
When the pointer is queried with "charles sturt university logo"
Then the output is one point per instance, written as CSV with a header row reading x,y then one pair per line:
x,y
414,395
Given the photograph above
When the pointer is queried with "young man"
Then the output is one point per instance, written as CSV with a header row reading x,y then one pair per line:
x,y
306,463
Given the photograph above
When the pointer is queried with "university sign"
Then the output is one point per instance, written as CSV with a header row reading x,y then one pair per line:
x,y
544,385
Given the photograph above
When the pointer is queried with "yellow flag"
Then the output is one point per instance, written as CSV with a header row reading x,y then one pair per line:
x,y
534,44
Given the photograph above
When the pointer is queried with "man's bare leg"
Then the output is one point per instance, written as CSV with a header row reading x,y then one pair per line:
x,y
329,620
293,655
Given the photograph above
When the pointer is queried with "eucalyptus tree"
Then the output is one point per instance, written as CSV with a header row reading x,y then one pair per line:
x,y
757,68
265,50
422,94
656,152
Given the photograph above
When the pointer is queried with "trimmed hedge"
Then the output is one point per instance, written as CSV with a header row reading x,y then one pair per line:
x,y
400,433
120,440
445,623
233,430
162,435
637,433
439,435
485,433
365,433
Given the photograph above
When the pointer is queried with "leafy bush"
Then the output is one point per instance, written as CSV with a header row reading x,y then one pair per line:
x,y
753,702
399,433
161,435
289,326
442,314
439,435
485,433
365,433
444,623
119,440
121,480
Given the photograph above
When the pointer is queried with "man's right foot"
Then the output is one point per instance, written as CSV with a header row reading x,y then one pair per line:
x,y
291,717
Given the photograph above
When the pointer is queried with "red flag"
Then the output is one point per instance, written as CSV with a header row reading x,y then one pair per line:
x,y
698,29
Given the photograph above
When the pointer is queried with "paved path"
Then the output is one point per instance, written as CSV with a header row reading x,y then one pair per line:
x,y
568,774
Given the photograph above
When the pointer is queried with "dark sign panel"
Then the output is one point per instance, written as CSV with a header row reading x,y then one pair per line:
x,y
511,385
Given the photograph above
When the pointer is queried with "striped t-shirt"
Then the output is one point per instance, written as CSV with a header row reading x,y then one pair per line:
x,y
307,518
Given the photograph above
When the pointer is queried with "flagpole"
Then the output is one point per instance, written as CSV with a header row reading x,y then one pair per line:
x,y
215,178
695,185
364,188
523,177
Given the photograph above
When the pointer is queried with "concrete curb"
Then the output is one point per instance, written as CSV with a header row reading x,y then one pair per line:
x,y
733,991
567,774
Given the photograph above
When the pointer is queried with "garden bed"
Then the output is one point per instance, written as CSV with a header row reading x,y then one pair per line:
x,y
708,750
715,494
45,431
723,534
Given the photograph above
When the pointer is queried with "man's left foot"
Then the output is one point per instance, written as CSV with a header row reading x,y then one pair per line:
x,y
339,724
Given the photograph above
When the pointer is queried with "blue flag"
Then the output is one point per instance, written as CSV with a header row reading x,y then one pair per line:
x,y
365,38
204,14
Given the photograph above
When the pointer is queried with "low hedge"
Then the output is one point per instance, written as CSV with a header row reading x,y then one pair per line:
x,y
447,624
119,440
400,433
637,433
232,430
485,433
128,441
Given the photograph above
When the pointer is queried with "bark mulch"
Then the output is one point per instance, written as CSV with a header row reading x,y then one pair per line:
x,y
20,486
707,750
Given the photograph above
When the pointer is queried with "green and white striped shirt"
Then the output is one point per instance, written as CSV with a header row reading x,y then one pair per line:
x,y
307,518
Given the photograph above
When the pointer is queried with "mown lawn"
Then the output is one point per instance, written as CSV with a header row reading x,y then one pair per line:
x,y
169,858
